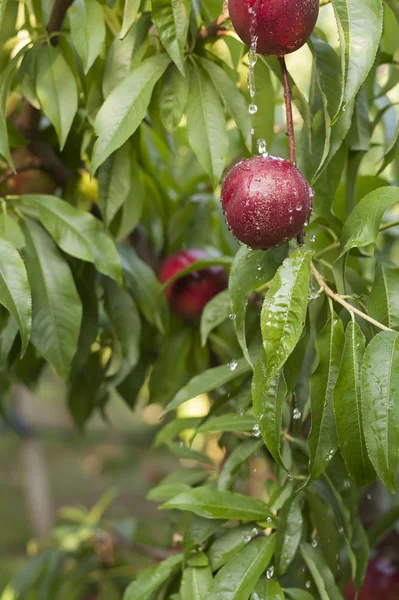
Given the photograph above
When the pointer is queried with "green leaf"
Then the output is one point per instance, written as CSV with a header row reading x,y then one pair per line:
x,y
9,332
273,590
206,124
268,399
125,108
164,493
322,439
126,323
239,455
170,431
181,451
129,15
76,232
3,5
230,422
221,504
234,101
249,271
195,583
27,76
298,594
359,28
227,546
209,380
130,213
284,311
10,229
57,309
15,294
173,98
87,30
199,529
379,390
239,576
171,18
361,550
263,120
6,80
215,312
56,89
321,574
145,286
288,534
383,303
391,151
150,580
114,182
347,407
169,371
362,225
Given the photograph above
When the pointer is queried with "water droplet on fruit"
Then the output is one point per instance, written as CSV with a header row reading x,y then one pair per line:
x,y
296,414
252,109
256,430
270,572
233,365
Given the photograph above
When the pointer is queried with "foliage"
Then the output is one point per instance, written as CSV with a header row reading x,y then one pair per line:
x,y
300,356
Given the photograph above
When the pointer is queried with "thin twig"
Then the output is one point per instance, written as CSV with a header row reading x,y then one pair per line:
x,y
288,108
337,298
57,17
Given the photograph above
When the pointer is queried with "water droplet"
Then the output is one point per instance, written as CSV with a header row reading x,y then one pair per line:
x,y
233,365
247,538
313,239
256,430
347,484
270,572
296,414
252,131
252,109
368,496
269,520
315,543
308,584
258,267
232,316
254,531
341,530
290,477
240,412
262,149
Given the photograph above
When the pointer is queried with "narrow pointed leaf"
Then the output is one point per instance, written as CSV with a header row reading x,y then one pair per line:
x,y
209,380
15,294
150,580
383,304
195,583
87,30
359,29
250,270
284,311
227,546
239,455
347,407
322,575
56,89
206,124
76,232
129,15
114,181
125,108
380,389
5,83
221,504
230,422
239,576
268,399
171,18
57,308
199,530
288,534
322,439
362,225
215,312
173,98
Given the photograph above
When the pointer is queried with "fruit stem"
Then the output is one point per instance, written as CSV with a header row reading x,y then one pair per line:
x,y
352,309
288,108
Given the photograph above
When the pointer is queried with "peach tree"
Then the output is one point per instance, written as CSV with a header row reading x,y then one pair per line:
x,y
119,120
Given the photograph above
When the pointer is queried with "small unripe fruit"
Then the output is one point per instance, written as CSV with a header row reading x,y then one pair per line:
x,y
280,26
28,181
188,295
267,201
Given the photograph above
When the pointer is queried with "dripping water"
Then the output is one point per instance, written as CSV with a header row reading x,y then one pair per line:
x,y
252,59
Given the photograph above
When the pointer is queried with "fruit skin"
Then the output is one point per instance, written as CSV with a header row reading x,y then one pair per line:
x,y
282,26
188,296
267,201
381,581
28,181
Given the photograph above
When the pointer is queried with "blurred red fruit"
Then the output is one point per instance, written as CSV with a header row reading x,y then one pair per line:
x,y
381,582
281,27
188,296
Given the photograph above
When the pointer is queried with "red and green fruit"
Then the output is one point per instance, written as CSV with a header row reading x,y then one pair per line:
x,y
381,582
280,26
267,201
189,295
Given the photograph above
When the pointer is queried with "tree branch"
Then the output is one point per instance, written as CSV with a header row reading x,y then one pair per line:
x,y
57,17
288,108
352,309
215,29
